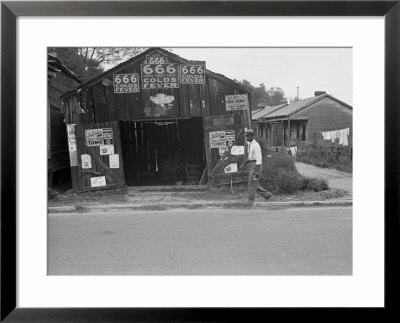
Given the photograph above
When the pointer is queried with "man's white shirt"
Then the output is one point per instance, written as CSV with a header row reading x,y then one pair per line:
x,y
254,150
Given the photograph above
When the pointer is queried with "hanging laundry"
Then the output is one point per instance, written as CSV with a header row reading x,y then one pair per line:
x,y
341,134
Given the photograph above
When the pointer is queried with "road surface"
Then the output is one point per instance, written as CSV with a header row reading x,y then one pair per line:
x,y
302,241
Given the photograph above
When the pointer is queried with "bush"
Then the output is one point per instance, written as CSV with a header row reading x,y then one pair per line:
x,y
51,193
313,184
282,182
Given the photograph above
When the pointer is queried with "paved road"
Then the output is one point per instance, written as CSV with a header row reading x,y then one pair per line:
x,y
303,241
335,178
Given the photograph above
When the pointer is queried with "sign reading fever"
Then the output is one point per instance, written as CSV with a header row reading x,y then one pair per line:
x,y
193,74
236,102
158,73
126,83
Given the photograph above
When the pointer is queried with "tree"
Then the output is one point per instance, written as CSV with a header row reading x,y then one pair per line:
x,y
275,96
88,62
261,97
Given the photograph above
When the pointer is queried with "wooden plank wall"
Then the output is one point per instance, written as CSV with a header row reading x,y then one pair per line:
x,y
100,163
100,104
216,163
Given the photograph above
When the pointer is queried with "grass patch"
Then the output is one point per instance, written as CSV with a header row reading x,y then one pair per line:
x,y
316,159
280,176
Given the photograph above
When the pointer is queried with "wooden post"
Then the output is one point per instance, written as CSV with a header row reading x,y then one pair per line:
x,y
290,152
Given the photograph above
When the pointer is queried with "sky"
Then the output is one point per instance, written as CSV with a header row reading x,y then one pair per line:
x,y
310,69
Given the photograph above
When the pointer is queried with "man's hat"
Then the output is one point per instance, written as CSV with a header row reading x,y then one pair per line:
x,y
249,132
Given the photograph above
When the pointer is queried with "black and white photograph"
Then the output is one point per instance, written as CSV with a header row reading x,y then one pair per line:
x,y
200,161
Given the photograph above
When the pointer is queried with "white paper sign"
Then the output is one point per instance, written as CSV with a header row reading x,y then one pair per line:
x,y
107,150
114,161
98,181
86,161
231,168
236,102
72,144
237,150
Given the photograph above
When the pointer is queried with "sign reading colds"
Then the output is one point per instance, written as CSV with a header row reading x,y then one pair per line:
x,y
158,73
193,74
126,83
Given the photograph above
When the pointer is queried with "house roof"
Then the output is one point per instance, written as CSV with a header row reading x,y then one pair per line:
x,y
136,58
54,64
296,106
261,113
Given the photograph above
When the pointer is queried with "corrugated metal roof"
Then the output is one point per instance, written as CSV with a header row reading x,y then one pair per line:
x,y
55,64
295,106
259,114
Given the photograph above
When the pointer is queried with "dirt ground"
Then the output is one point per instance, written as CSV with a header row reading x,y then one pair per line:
x,y
336,179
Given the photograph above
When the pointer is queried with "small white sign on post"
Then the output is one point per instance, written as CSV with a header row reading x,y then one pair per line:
x,y
236,102
86,161
98,181
114,161
107,150
237,150
231,168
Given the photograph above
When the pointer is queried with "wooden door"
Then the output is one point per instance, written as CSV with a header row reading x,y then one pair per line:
x,y
100,163
224,138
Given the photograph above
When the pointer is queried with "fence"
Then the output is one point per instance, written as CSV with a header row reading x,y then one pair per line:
x,y
335,154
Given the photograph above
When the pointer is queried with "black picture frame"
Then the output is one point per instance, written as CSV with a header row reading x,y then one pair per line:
x,y
10,10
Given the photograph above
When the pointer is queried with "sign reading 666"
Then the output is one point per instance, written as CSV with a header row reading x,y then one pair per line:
x,y
126,83
193,74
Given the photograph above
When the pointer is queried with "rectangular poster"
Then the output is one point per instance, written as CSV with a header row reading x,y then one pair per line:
x,y
86,161
94,137
237,150
193,73
73,154
126,83
231,168
98,181
107,150
114,161
157,73
236,102
222,138
108,136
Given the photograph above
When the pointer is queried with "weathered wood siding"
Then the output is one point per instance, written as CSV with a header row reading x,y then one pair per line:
x,y
325,115
58,156
100,163
99,103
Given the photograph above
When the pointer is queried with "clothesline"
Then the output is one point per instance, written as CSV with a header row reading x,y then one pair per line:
x,y
341,134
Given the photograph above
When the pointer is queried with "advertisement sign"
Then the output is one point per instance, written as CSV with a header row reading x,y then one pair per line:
x,y
158,73
73,154
114,161
108,136
236,102
107,150
126,83
222,139
231,168
98,181
94,137
86,161
237,150
193,73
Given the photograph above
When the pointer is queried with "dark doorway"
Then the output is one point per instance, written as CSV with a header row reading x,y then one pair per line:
x,y
159,152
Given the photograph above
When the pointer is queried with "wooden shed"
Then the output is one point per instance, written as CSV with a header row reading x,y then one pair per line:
x,y
306,120
157,119
60,80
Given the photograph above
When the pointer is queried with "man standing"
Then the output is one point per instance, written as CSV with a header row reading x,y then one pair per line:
x,y
254,163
